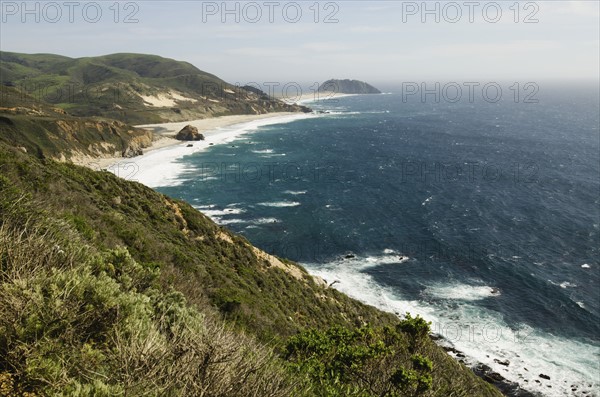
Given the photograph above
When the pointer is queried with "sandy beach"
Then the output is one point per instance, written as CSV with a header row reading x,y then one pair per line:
x,y
164,136
159,166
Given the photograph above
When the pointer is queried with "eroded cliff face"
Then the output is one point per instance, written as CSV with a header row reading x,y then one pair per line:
x,y
68,138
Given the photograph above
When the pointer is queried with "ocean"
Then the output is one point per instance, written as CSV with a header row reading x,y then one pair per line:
x,y
481,217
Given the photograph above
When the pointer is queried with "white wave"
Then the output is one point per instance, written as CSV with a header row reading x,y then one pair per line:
x,y
268,156
386,259
390,257
337,113
204,207
280,204
222,221
227,211
481,334
251,222
464,292
262,221
263,151
162,167
295,192
566,284
585,266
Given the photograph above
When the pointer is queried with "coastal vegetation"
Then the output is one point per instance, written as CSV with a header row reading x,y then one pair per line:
x,y
131,88
109,288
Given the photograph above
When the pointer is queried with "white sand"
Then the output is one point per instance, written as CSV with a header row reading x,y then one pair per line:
x,y
160,166
164,137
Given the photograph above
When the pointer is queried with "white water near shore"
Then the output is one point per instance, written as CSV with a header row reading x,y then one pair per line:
x,y
481,335
161,167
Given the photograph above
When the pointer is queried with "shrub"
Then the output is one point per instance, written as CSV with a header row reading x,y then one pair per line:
x,y
101,328
358,362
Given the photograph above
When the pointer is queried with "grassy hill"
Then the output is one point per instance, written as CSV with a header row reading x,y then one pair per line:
x,y
48,131
110,288
132,88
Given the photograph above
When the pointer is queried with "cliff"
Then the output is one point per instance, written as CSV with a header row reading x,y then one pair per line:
x,y
46,131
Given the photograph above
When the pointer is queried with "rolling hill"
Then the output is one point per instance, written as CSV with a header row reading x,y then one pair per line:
x,y
132,88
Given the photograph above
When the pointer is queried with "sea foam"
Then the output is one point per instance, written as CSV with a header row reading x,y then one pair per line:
x,y
481,334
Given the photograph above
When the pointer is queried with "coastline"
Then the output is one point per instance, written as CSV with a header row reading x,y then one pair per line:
x,y
159,166
315,97
164,133
164,137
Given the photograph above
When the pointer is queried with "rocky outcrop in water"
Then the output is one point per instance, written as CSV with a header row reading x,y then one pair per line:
x,y
348,87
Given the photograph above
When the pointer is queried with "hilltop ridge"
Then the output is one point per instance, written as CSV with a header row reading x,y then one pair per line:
x,y
132,88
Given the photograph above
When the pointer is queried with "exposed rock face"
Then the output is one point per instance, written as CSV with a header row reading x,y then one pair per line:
x,y
348,87
189,133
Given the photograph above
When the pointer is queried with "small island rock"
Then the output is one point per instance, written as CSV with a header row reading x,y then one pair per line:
x,y
336,86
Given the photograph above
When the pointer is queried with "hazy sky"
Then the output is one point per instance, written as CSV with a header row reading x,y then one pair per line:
x,y
376,41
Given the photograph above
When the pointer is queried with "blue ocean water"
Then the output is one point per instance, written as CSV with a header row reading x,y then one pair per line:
x,y
482,217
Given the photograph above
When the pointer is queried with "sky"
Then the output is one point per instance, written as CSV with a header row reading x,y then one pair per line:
x,y
309,41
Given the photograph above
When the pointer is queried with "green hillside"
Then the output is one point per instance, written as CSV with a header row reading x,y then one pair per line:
x,y
132,88
110,288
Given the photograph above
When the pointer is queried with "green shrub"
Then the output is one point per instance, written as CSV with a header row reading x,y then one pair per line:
x,y
358,362
102,328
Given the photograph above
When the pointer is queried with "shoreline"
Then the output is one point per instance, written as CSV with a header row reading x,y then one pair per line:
x,y
315,97
164,133
160,165
164,137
